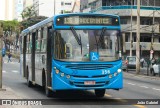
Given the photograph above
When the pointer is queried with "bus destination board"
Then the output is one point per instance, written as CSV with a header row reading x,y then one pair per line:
x,y
87,20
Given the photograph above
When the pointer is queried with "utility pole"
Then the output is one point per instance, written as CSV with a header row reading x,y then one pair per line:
x,y
131,40
138,39
1,43
151,54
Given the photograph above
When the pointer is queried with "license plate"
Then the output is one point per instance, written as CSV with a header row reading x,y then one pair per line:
x,y
89,83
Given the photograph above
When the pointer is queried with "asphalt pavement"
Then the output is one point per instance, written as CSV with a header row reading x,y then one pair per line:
x,y
135,87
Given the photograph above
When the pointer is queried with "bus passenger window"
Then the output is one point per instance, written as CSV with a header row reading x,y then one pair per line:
x,y
43,45
38,41
44,36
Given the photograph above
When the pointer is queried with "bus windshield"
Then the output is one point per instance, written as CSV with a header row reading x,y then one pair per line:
x,y
104,42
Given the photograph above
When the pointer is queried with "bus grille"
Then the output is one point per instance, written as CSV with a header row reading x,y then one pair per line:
x,y
89,66
96,76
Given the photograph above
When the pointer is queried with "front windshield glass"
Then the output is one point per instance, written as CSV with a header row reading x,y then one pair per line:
x,y
68,47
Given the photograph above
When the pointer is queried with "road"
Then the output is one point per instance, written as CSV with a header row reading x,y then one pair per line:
x,y
135,87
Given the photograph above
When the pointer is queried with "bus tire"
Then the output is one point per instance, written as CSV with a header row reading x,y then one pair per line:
x,y
48,92
100,92
29,83
43,80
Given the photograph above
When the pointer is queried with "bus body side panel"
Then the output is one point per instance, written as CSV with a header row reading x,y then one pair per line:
x,y
49,59
32,72
28,61
41,67
38,69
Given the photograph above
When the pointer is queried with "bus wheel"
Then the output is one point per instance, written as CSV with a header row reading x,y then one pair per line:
x,y
47,90
29,83
100,92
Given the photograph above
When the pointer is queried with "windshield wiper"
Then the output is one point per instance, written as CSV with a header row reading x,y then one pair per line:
x,y
78,38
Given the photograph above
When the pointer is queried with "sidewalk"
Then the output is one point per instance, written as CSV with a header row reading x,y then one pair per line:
x,y
143,72
5,59
8,93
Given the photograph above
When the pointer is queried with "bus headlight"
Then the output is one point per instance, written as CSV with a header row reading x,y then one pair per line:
x,y
57,71
62,74
119,70
68,76
110,76
115,74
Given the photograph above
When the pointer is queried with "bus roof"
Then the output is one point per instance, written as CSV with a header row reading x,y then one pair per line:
x,y
86,14
48,20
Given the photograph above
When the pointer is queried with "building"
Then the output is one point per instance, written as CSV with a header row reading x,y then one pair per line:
x,y
50,7
7,8
27,3
127,10
11,9
76,7
18,9
84,6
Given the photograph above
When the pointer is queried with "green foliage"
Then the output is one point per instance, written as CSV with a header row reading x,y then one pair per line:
x,y
31,21
30,17
12,26
66,11
28,12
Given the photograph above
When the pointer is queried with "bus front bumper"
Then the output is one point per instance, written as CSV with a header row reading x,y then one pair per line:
x,y
62,83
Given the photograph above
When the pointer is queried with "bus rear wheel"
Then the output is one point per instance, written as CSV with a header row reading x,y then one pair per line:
x,y
100,92
29,83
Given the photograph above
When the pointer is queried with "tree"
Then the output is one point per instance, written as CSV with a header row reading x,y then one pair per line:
x,y
11,33
30,17
28,12
31,21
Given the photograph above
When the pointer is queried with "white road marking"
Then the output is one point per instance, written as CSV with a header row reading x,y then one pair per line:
x,y
131,84
156,89
15,71
144,86
140,106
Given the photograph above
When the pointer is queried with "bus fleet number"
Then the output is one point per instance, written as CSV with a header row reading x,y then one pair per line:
x,y
105,72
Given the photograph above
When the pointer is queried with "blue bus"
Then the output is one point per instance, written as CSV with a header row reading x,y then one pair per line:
x,y
73,52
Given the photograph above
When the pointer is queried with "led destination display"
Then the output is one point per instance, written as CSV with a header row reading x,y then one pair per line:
x,y
87,20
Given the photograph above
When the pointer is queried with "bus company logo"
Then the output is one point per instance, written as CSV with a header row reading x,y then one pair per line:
x,y
20,102
6,102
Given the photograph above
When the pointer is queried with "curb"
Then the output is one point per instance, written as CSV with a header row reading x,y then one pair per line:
x,y
10,94
138,75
